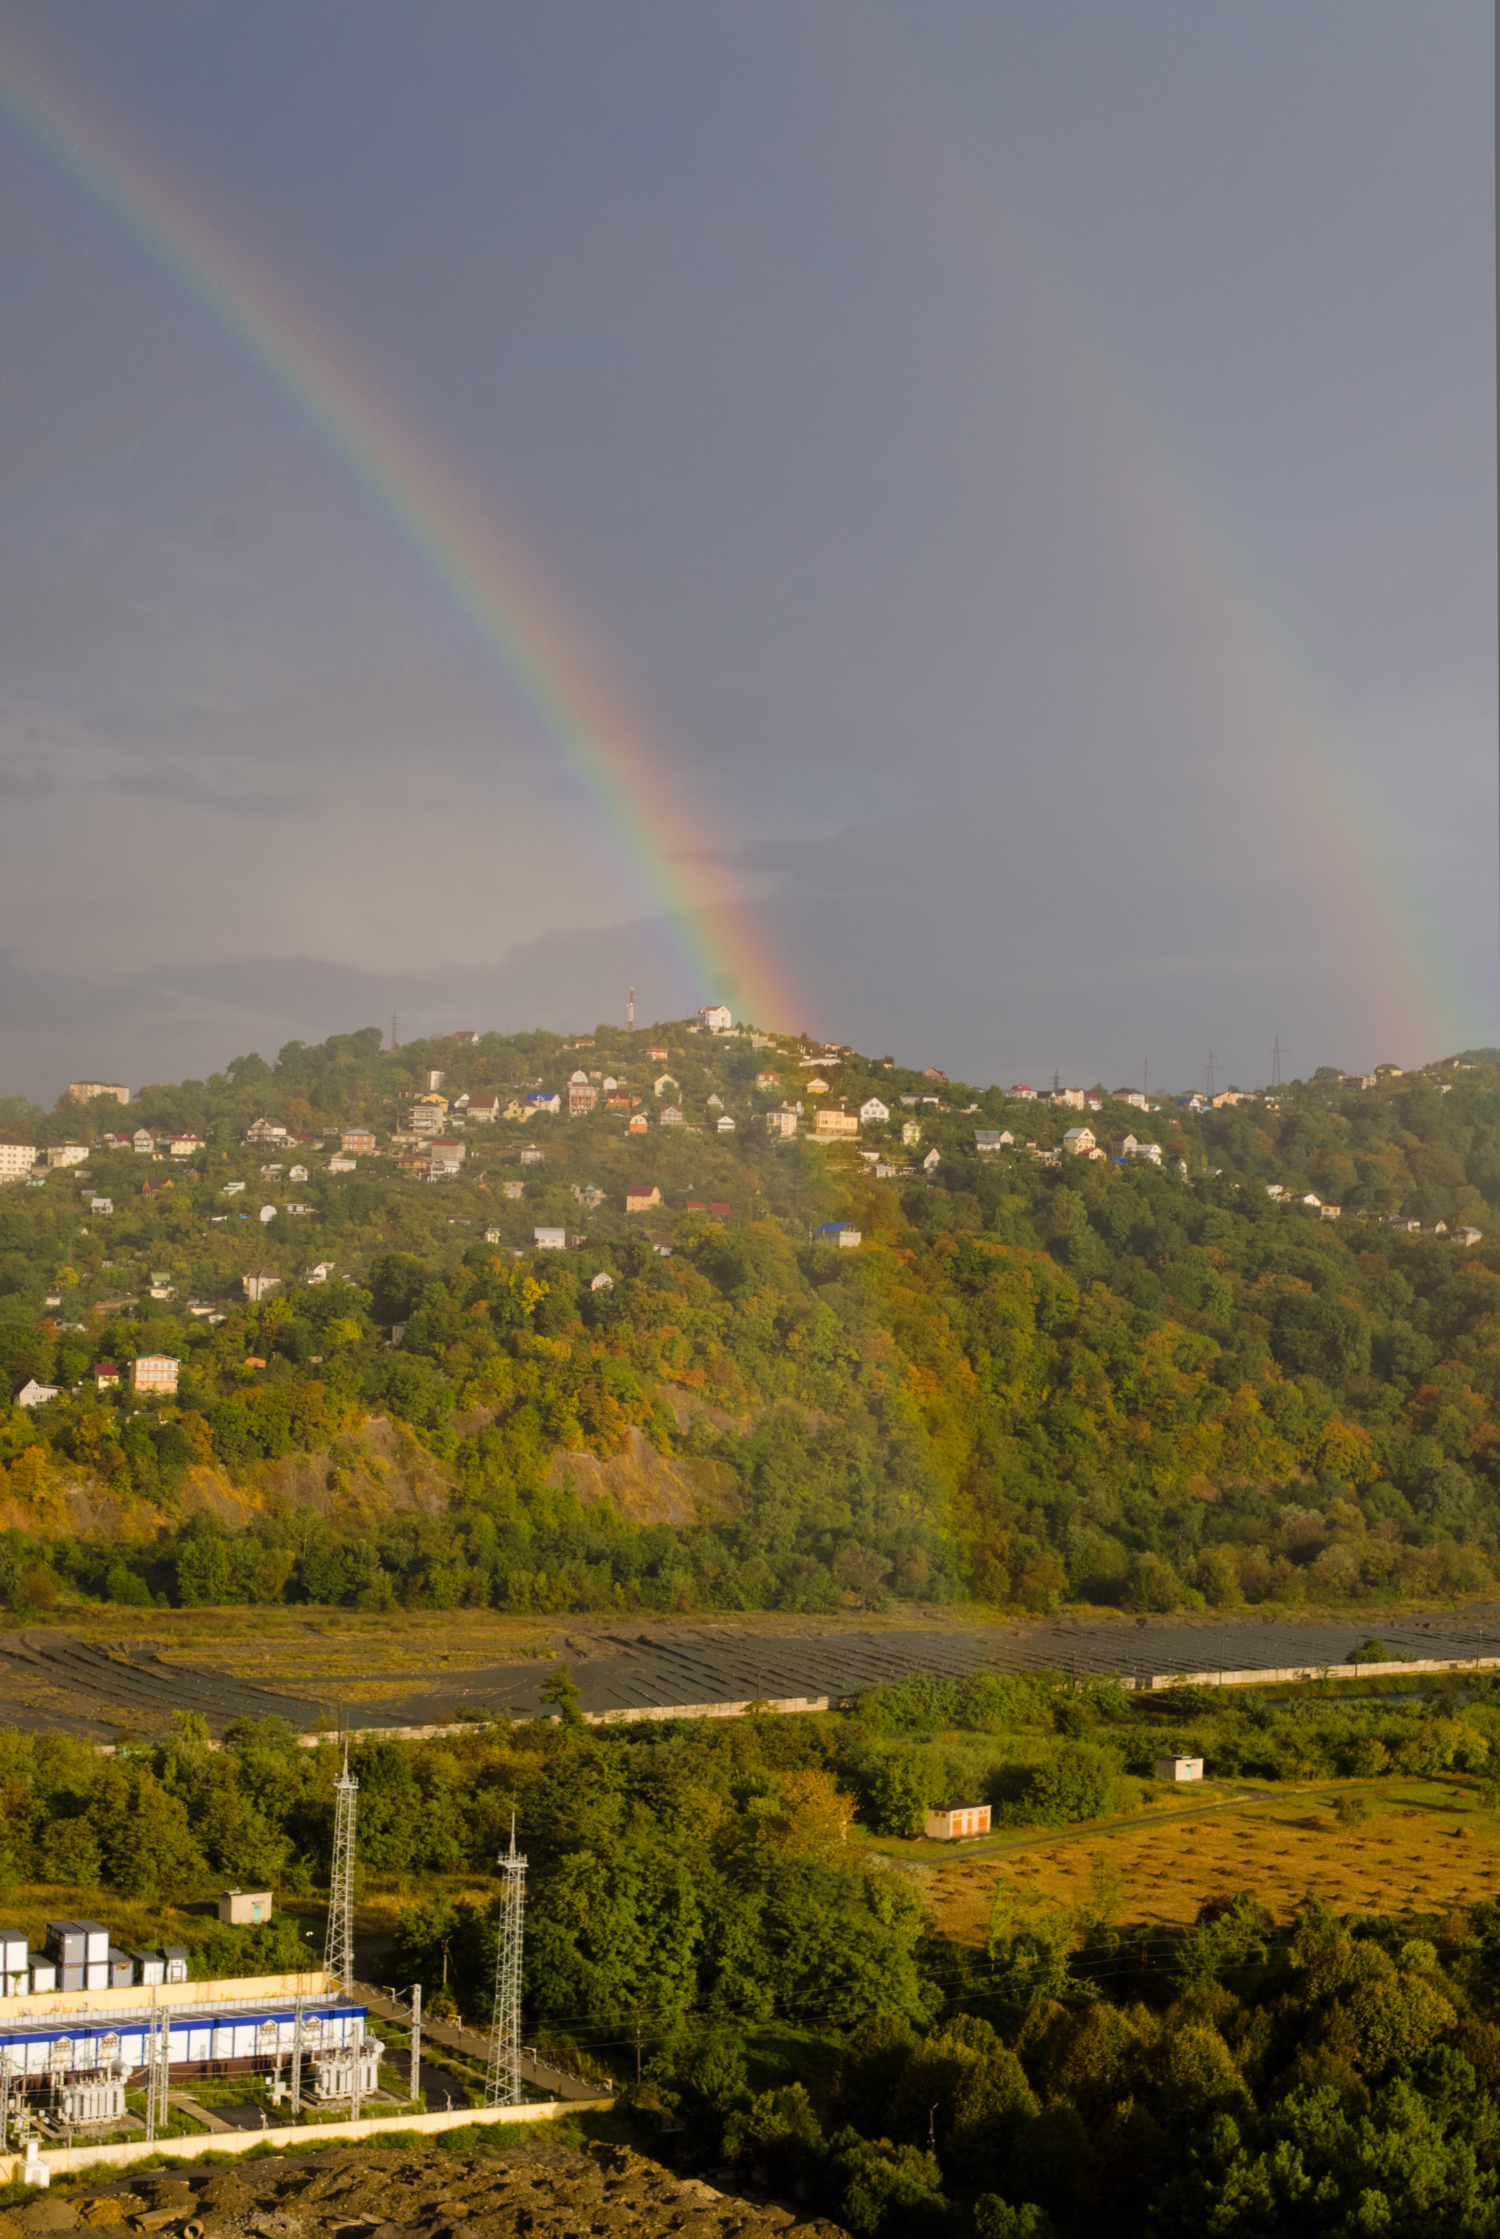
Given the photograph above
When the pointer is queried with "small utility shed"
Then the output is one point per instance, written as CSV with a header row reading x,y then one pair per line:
x,y
244,1908
1178,1768
952,1821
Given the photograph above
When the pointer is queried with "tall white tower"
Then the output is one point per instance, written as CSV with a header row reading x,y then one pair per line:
x,y
338,1952
502,2086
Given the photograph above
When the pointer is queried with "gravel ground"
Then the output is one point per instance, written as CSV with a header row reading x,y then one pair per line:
x,y
547,2191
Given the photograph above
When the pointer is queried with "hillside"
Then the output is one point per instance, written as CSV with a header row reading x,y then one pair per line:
x,y
1040,1377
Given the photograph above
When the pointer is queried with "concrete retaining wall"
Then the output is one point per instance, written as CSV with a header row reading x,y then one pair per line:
x,y
1284,1675
626,1717
106,2158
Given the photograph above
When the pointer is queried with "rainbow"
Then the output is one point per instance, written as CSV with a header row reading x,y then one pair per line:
x,y
422,495
1240,658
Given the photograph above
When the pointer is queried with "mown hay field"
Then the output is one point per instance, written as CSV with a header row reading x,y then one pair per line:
x,y
1427,1848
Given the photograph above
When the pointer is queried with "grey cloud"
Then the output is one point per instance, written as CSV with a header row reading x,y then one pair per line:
x,y
188,1020
21,781
222,794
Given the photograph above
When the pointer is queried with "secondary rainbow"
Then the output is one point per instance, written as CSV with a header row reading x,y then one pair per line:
x,y
1241,657
423,496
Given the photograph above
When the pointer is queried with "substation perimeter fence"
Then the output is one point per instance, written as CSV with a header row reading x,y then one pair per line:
x,y
72,2160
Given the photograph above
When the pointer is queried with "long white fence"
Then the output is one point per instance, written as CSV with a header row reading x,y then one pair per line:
x,y
1285,1674
105,2158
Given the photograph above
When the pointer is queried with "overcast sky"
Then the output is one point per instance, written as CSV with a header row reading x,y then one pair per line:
x,y
1029,468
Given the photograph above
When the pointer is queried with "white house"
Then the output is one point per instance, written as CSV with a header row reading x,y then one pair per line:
x,y
726,1124
717,1017
16,1161
931,1162
34,1394
1178,1768
783,1122
1467,1235
873,1109
1078,1140
551,1239
1128,1096
911,1133
662,1083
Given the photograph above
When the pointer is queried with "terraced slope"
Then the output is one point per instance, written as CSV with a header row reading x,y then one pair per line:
x,y
49,1679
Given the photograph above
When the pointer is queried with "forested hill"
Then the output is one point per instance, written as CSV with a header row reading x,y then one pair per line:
x,y
1040,1377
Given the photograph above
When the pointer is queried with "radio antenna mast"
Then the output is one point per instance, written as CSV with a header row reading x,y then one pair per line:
x,y
502,2087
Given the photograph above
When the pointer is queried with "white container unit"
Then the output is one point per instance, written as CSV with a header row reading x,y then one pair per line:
x,y
15,1963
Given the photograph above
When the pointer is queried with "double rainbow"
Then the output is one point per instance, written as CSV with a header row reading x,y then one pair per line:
x,y
434,511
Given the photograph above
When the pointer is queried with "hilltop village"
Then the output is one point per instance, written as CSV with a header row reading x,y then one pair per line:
x,y
697,1316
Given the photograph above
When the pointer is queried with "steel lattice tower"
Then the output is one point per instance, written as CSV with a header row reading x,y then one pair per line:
x,y
338,1952
502,2087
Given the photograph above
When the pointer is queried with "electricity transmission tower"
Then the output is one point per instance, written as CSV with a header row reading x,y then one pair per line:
x,y
158,2062
502,2086
338,1952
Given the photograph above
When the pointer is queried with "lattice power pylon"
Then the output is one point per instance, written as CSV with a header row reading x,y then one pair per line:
x,y
158,2071
502,2087
338,1952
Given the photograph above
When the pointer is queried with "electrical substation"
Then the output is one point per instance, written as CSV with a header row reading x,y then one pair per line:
x,y
85,2022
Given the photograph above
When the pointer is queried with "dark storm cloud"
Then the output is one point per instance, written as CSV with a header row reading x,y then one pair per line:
x,y
941,422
